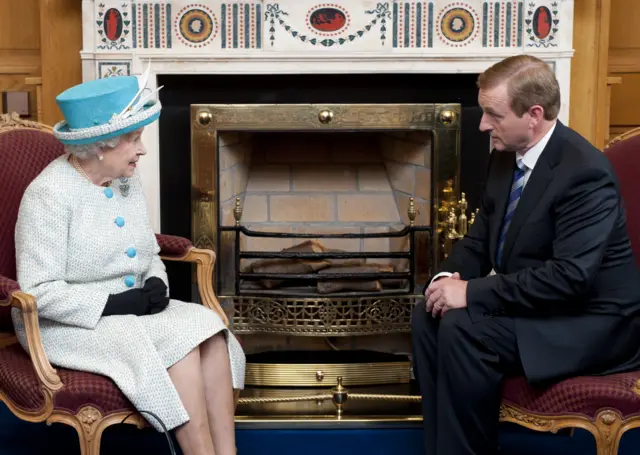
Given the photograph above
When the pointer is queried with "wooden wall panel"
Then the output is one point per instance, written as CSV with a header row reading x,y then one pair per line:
x,y
624,62
20,48
589,70
625,101
61,32
625,17
19,25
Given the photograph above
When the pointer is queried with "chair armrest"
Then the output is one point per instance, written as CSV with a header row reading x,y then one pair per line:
x,y
205,261
7,287
173,246
26,303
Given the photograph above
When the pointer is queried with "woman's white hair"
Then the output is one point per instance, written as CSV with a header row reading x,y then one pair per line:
x,y
84,151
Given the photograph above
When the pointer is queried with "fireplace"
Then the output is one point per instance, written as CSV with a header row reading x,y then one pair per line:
x,y
326,220
265,53
242,136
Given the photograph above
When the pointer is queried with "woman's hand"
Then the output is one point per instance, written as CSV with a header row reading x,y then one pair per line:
x,y
151,299
127,302
155,292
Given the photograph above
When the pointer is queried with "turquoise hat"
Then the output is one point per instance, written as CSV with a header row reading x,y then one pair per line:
x,y
105,108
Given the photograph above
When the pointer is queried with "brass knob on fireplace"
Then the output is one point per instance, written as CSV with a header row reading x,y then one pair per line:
x,y
204,118
325,116
447,117
237,212
412,212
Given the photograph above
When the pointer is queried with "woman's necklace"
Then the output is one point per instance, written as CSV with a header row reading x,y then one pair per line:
x,y
76,164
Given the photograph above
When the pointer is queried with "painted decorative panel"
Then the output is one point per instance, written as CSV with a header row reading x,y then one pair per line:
x,y
113,25
110,69
502,23
300,26
542,23
413,24
458,24
152,25
451,26
196,25
241,25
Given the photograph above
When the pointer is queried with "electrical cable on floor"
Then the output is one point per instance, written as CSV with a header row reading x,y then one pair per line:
x,y
333,346
164,428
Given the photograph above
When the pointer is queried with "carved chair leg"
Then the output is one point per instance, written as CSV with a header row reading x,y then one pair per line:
x,y
608,431
86,423
90,424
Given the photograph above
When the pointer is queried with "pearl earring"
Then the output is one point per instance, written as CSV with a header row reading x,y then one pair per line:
x,y
100,157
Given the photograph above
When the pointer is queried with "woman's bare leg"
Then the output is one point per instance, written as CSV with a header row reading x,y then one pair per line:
x,y
218,389
194,436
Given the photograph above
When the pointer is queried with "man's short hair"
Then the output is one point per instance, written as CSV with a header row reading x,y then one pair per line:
x,y
530,82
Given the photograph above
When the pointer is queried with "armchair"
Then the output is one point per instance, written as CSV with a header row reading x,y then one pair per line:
x,y
606,406
30,386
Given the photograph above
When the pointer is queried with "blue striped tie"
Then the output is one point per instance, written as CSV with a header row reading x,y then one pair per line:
x,y
514,198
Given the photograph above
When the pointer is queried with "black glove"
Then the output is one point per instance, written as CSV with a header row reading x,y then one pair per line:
x,y
155,292
127,302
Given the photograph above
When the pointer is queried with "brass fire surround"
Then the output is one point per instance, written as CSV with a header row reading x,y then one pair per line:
x,y
378,315
442,120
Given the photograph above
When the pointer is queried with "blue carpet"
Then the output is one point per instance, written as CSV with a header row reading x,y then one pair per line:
x,y
22,438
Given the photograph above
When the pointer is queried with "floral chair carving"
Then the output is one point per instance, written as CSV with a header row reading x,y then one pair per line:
x,y
606,406
31,388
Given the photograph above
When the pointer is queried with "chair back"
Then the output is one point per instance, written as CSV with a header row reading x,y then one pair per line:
x,y
26,148
624,154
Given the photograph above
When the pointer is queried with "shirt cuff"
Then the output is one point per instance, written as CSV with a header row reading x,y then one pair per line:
x,y
440,275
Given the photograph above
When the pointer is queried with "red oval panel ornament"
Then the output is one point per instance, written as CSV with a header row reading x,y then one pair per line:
x,y
113,24
327,19
542,22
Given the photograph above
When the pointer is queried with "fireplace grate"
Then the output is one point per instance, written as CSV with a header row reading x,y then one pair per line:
x,y
299,309
408,275
348,316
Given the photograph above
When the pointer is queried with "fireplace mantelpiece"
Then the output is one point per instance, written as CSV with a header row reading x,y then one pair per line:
x,y
293,37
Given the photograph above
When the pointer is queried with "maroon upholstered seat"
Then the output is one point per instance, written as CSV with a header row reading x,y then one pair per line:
x,y
19,381
82,389
29,385
625,157
607,406
23,155
173,246
585,395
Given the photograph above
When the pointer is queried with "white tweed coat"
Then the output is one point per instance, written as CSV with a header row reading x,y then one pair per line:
x,y
75,245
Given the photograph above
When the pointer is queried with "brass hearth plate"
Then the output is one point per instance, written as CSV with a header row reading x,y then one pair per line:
x,y
382,403
318,375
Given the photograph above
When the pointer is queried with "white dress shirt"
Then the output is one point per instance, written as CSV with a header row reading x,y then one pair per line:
x,y
529,158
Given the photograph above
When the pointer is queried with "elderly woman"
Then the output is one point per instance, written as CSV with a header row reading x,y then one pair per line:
x,y
86,251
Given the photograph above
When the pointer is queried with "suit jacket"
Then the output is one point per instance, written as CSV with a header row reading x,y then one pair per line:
x,y
567,273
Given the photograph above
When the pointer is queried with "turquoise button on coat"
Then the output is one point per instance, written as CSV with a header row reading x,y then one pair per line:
x,y
108,192
120,221
129,281
131,252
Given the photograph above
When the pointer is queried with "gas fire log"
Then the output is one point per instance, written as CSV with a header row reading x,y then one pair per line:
x,y
337,285
292,266
323,266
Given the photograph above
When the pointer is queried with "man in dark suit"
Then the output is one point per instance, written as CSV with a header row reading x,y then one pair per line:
x,y
544,285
